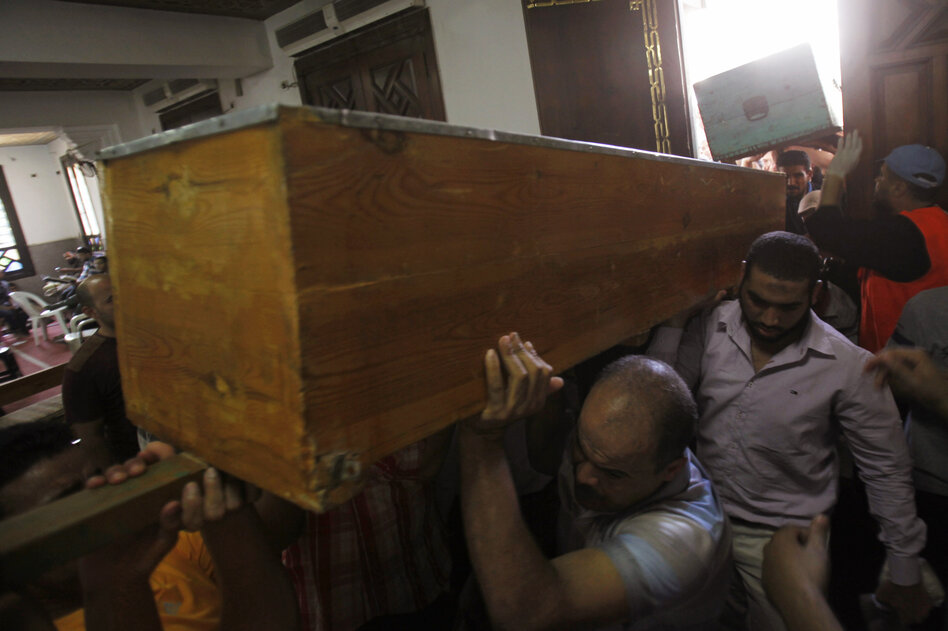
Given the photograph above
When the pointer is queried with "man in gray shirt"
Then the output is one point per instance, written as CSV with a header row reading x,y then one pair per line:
x,y
775,386
924,324
645,541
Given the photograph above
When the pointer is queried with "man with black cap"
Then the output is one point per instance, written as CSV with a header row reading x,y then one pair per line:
x,y
902,251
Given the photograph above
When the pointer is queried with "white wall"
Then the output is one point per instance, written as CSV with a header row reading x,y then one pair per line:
x,y
484,64
48,38
67,109
258,89
40,192
482,59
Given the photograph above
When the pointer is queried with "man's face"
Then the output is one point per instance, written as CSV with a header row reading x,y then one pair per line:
x,y
882,195
613,468
84,256
798,179
103,309
774,310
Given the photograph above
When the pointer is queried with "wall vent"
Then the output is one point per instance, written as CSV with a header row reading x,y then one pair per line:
x,y
335,19
170,93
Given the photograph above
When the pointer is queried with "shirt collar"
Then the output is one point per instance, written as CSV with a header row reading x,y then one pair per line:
x,y
815,337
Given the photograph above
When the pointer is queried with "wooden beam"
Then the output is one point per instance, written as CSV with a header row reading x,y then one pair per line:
x,y
31,384
50,535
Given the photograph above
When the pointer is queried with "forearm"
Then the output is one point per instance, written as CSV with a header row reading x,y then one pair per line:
x,y
517,582
805,609
885,468
256,592
892,246
119,605
831,193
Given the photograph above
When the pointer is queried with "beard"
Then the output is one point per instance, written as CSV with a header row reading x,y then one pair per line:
x,y
771,335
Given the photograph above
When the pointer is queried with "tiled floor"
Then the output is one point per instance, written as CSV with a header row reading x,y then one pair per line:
x,y
32,358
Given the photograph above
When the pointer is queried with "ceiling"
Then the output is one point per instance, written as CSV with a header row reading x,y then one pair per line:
x,y
250,9
28,138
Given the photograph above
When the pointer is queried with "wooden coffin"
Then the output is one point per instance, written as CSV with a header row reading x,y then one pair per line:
x,y
302,291
777,100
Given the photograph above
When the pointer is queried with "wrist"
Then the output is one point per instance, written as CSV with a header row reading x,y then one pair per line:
x,y
492,435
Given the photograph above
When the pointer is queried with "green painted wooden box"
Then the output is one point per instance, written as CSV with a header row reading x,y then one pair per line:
x,y
776,100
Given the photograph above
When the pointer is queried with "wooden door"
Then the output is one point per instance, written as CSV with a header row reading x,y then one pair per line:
x,y
389,67
894,56
609,71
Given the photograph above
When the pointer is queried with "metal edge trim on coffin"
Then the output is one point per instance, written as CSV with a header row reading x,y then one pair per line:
x,y
389,122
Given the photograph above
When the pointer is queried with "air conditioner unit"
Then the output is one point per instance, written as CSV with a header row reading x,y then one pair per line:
x,y
169,93
341,16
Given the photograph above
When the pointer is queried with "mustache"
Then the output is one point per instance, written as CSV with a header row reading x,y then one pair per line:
x,y
584,492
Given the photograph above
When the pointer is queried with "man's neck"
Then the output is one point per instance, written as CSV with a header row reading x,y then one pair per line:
x,y
106,331
762,350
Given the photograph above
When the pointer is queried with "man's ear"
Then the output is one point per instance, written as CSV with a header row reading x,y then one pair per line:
x,y
673,467
818,290
743,271
89,311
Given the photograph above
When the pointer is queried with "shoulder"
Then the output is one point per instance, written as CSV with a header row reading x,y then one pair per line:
x,y
719,318
85,353
930,300
827,339
688,525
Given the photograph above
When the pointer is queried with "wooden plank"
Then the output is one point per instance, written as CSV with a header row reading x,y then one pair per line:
x,y
50,535
328,289
29,385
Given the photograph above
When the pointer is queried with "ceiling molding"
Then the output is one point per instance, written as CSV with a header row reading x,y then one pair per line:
x,y
249,9
44,85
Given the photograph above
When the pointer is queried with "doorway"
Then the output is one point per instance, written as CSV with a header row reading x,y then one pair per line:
x,y
718,35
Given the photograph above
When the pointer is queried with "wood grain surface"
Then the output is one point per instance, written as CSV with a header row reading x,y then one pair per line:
x,y
50,535
297,299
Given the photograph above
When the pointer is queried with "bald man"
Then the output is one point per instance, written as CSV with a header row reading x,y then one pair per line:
x,y
643,540
92,388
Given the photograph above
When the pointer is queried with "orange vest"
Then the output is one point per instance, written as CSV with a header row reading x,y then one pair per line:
x,y
883,299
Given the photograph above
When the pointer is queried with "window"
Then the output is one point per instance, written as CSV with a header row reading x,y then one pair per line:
x,y
82,201
14,255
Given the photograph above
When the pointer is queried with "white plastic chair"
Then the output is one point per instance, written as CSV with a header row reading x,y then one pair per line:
x,y
38,311
81,326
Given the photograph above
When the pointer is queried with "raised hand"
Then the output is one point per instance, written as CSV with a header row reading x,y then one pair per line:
x,y
847,155
529,381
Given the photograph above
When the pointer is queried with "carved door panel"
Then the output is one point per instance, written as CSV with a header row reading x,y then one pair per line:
x,y
389,68
341,89
609,71
894,57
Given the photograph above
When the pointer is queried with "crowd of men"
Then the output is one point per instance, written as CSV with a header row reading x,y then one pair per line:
x,y
696,488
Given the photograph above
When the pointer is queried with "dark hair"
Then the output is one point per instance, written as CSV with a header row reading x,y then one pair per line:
x,y
664,395
794,158
83,250
24,444
786,256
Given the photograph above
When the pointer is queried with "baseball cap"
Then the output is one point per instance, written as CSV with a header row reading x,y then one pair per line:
x,y
918,164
